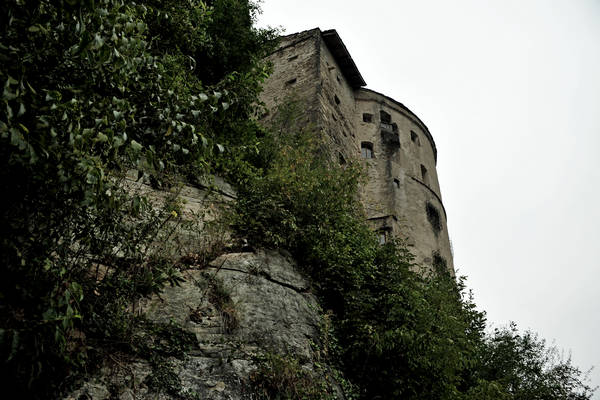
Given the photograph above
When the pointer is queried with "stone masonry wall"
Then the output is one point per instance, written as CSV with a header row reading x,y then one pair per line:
x,y
294,76
402,194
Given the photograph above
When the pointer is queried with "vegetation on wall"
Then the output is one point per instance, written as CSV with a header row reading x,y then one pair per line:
x,y
93,90
400,334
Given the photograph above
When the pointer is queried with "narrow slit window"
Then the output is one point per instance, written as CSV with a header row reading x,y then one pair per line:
x,y
366,149
367,117
336,99
415,138
291,81
424,175
342,159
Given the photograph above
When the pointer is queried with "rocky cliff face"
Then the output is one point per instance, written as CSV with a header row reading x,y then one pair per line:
x,y
240,308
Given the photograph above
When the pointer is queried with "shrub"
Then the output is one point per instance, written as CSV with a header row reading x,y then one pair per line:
x,y
89,93
399,334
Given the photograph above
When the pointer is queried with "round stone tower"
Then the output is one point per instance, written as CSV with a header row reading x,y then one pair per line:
x,y
402,195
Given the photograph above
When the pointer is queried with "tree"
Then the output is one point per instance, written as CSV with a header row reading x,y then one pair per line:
x,y
93,90
528,369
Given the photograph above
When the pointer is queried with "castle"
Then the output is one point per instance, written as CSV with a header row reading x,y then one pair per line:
x,y
402,195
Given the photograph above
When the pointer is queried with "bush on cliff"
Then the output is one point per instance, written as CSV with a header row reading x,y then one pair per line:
x,y
400,334
91,90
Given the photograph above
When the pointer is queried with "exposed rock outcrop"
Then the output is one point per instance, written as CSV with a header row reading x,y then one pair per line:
x,y
241,306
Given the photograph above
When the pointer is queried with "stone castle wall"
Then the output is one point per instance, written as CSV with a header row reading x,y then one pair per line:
x,y
402,195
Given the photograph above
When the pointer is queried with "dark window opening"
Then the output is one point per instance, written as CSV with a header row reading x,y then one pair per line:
x,y
396,184
366,149
342,159
433,216
415,138
292,58
291,81
385,117
367,117
336,99
424,175
338,79
389,131
439,263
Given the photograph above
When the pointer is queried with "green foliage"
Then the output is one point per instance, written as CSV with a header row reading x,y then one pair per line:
x,y
163,378
306,203
395,333
93,90
220,297
90,91
284,378
527,368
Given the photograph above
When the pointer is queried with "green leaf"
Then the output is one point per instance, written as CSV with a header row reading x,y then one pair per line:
x,y
136,146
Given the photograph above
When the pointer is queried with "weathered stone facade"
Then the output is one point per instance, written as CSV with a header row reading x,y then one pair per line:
x,y
402,195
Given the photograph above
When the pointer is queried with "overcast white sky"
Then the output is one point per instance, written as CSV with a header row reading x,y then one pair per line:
x,y
510,90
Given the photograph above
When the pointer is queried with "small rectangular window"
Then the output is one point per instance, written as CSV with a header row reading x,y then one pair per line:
x,y
366,149
382,237
336,99
385,117
367,117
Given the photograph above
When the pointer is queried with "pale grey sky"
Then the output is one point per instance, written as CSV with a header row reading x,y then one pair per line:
x,y
510,90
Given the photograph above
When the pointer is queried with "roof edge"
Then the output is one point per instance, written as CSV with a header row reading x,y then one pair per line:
x,y
342,56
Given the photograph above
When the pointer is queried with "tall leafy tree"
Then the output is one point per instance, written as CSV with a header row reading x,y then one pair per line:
x,y
90,91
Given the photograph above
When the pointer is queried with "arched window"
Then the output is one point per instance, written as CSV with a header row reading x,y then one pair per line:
x,y
366,149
